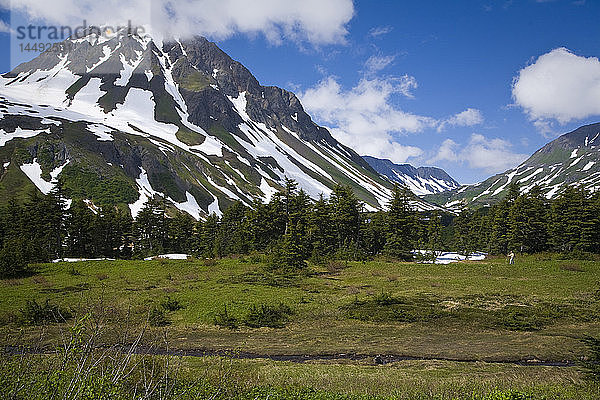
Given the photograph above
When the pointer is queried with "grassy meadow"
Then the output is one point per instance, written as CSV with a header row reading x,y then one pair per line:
x,y
443,331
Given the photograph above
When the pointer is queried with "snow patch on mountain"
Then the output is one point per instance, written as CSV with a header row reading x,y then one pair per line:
x,y
190,206
18,133
146,193
34,172
102,132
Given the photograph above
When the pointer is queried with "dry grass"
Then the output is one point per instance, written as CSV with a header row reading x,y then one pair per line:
x,y
571,266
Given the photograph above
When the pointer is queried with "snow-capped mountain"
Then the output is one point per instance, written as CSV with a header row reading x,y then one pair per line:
x,y
571,159
119,120
421,181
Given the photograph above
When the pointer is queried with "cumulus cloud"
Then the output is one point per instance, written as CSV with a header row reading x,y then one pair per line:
x,y
314,21
491,155
364,118
447,151
559,86
469,117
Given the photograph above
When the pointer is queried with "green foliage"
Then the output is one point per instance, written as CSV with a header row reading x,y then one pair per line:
x,y
265,315
170,304
257,316
13,258
194,80
226,320
189,137
42,313
84,183
401,226
519,318
158,317
591,363
386,308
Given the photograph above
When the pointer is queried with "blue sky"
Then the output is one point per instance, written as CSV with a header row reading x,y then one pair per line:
x,y
429,82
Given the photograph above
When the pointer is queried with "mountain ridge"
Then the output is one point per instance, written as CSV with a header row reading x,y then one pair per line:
x,y
420,180
119,120
571,159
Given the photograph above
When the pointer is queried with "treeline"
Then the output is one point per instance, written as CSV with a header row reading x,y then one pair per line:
x,y
292,228
529,223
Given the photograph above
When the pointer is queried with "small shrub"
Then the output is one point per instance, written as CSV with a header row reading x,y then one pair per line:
x,y
385,299
13,259
591,365
518,318
101,277
74,272
157,317
224,319
170,304
36,313
384,308
264,315
578,255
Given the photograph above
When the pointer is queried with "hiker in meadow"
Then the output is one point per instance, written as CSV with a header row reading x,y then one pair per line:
x,y
511,257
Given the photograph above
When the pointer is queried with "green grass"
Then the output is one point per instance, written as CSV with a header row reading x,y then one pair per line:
x,y
485,311
189,137
194,81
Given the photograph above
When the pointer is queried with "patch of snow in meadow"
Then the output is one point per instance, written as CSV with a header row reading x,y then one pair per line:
x,y
452,257
168,257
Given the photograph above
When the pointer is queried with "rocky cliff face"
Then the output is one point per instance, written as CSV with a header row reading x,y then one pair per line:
x,y
122,119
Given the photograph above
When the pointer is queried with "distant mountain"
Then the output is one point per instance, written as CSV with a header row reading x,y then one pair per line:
x,y
571,159
120,120
421,181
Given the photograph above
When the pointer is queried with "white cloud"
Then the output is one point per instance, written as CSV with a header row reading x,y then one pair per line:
x,y
315,21
491,155
469,117
380,31
4,28
364,118
446,151
377,63
559,86
367,119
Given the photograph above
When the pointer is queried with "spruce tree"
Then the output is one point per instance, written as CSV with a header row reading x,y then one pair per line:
x,y
150,229
373,233
434,234
206,234
181,233
321,230
566,219
346,213
401,225
498,237
290,257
